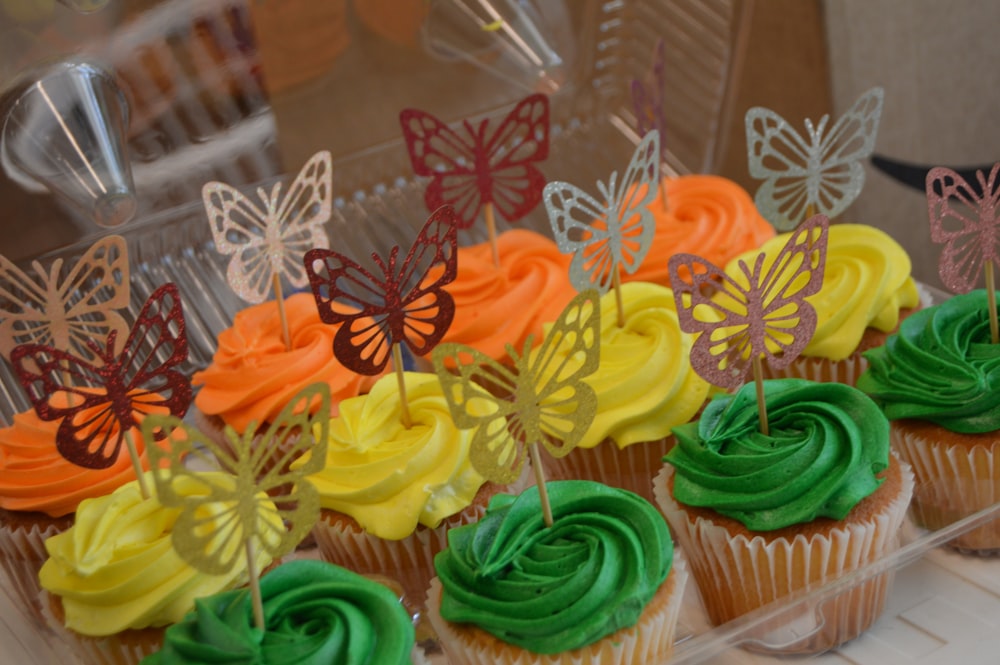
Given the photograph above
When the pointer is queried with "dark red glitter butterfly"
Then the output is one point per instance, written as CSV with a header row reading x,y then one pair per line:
x,y
100,403
475,165
403,306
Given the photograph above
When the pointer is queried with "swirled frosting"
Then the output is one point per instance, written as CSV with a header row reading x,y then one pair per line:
x,y
940,367
867,282
315,613
252,377
826,444
706,215
388,477
553,589
645,384
35,477
499,306
116,567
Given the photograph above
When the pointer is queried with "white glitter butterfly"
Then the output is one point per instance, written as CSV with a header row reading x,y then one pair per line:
x,y
616,234
818,174
268,241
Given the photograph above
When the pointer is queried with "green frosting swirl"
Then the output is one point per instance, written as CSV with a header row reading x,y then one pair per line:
x,y
826,443
315,614
553,589
940,367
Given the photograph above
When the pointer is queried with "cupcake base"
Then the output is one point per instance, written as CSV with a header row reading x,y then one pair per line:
x,y
631,468
738,571
22,553
957,475
128,647
410,560
651,640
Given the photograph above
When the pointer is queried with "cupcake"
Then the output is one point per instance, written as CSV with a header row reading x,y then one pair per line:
x,y
938,382
495,306
645,387
252,376
39,494
761,516
706,215
114,580
315,613
867,290
389,494
601,585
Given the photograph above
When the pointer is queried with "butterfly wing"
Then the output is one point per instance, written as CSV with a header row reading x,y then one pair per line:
x,y
821,174
269,240
607,237
757,313
450,158
64,315
478,391
562,406
647,97
520,140
966,220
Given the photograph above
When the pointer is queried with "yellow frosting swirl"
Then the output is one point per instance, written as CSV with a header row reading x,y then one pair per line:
x,y
116,567
645,384
390,478
867,282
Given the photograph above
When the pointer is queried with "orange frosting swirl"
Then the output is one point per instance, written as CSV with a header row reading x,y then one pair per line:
x,y
35,477
499,306
706,215
252,377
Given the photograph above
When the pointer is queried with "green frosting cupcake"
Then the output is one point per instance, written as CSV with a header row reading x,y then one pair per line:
x,y
315,613
940,367
558,588
826,444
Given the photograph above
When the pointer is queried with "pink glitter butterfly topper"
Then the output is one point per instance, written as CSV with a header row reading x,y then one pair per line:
x,y
406,305
99,404
966,218
647,99
759,311
473,166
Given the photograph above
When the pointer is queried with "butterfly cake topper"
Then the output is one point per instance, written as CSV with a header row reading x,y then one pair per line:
x,y
537,398
99,404
819,173
403,306
478,167
647,99
965,217
267,238
65,313
611,235
267,504
761,312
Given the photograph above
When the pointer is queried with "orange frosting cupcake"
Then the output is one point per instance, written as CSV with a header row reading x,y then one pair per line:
x,y
34,477
499,306
705,215
252,377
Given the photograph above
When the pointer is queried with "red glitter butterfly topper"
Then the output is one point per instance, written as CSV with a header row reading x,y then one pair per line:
x,y
406,305
99,404
759,312
966,218
476,165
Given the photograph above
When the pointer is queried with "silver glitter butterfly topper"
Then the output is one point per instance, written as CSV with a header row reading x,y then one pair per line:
x,y
820,173
607,236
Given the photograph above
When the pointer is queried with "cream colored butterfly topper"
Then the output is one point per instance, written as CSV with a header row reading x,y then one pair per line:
x,y
267,238
65,313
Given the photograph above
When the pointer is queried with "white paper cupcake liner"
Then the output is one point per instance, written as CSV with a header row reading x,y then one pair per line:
x,y
953,481
128,648
22,553
651,640
632,467
737,574
821,370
